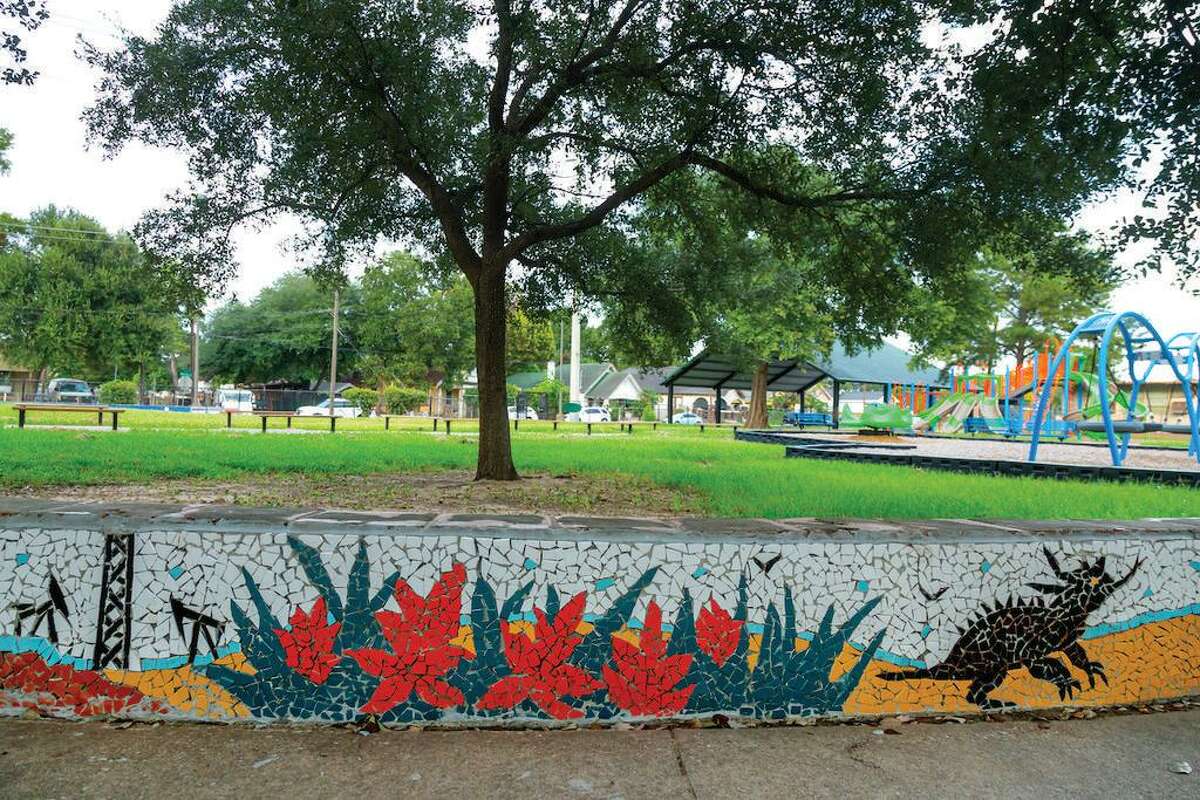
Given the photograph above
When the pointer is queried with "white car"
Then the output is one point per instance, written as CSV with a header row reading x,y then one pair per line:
x,y
341,408
70,390
528,413
594,414
687,418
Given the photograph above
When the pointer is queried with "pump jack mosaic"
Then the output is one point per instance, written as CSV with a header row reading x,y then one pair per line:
x,y
489,631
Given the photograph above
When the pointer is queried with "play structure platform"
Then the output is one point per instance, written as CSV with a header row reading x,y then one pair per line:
x,y
989,456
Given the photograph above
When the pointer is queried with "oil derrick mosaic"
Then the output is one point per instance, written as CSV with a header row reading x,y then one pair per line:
x,y
488,630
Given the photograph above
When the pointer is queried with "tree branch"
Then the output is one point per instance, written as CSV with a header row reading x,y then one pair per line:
x,y
597,214
504,53
403,149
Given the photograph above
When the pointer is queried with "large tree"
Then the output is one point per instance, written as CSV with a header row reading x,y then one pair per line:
x,y
521,132
414,326
755,285
1029,292
284,333
1140,61
77,299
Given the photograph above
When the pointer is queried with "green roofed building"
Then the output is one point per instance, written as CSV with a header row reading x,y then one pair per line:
x,y
590,375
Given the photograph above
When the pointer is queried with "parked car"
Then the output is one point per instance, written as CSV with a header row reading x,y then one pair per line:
x,y
69,390
341,408
236,399
594,414
687,418
528,413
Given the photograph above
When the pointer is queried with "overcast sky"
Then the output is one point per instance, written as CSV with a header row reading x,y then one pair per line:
x,y
51,163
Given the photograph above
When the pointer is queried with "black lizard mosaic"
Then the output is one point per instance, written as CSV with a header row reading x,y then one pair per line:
x,y
1025,633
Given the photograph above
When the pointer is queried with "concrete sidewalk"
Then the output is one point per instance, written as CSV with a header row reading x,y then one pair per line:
x,y
1117,756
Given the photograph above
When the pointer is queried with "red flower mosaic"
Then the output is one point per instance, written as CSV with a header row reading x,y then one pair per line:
x,y
540,671
717,632
60,687
420,637
309,644
645,677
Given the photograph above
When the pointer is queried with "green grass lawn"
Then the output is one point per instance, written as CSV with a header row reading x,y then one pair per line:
x,y
168,420
710,473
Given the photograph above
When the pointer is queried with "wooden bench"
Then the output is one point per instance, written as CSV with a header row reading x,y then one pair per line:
x,y
99,411
264,416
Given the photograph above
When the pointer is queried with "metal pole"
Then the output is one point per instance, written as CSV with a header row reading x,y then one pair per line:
x,y
561,326
718,411
670,404
195,362
333,354
837,400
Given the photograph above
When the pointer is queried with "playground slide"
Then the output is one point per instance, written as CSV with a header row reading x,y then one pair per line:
x,y
1091,386
947,416
929,418
956,420
995,420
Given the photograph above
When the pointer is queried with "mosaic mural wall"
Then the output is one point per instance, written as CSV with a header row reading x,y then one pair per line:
x,y
492,629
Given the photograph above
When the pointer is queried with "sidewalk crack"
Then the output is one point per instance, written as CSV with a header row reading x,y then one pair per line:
x,y
687,779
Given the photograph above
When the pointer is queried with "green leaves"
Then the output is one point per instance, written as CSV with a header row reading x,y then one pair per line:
x,y
78,300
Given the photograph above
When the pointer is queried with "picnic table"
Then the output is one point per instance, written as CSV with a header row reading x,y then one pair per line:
x,y
99,411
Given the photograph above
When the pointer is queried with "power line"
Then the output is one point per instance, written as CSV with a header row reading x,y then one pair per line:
x,y
53,228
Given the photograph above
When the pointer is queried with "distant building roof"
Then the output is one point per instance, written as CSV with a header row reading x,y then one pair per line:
x,y
589,376
652,381
9,366
883,364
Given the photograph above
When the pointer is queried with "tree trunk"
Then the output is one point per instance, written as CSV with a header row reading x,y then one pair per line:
x,y
757,416
491,308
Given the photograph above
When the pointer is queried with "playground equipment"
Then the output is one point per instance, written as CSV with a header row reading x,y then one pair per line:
x,y
885,417
998,404
1144,349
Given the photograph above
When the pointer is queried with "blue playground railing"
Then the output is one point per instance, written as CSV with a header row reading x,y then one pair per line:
x,y
1010,427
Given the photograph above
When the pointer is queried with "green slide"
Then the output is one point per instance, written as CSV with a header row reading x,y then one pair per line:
x,y
1091,384
947,414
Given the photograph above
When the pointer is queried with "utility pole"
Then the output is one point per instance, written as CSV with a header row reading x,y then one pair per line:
x,y
195,362
576,388
561,325
333,356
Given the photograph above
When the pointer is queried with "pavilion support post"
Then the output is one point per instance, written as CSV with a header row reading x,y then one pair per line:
x,y
671,404
887,393
837,402
717,413
802,392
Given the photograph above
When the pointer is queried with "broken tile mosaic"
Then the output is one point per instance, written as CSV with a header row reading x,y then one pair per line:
x,y
494,626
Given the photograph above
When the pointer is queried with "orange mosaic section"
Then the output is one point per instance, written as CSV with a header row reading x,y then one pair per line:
x,y
186,691
1147,663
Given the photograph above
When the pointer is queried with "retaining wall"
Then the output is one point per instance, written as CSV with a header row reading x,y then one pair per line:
x,y
236,614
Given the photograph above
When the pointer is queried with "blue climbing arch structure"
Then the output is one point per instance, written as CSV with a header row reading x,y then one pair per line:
x,y
1144,349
